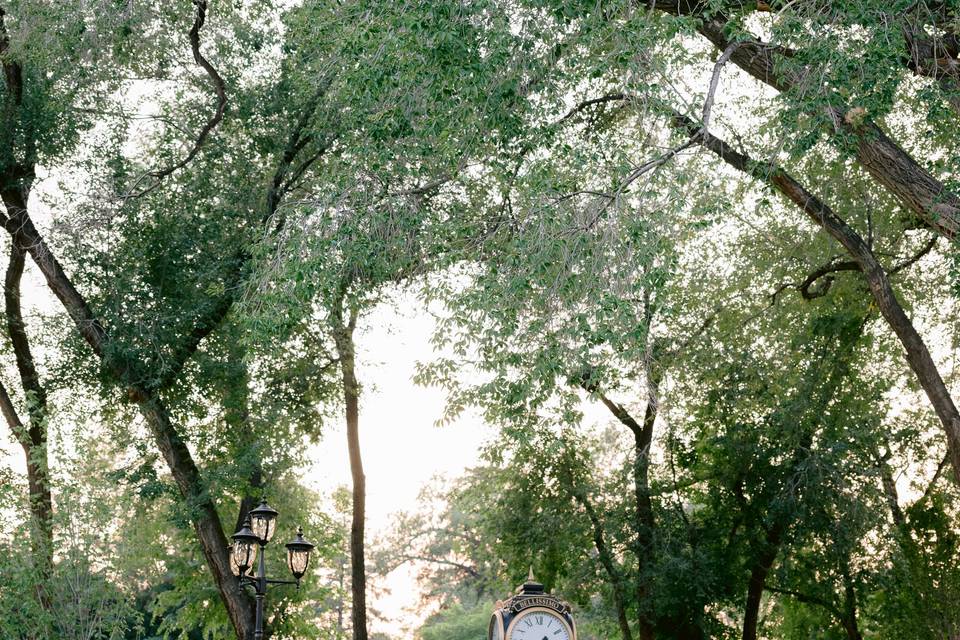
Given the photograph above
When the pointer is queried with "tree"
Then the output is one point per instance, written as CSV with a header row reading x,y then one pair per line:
x,y
309,106
621,206
822,127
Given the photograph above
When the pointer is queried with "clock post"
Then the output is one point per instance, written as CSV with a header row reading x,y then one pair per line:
x,y
532,614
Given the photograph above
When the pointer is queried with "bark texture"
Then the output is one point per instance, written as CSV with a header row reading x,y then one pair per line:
x,y
32,438
889,164
343,337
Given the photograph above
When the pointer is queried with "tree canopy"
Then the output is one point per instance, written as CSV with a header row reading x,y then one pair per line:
x,y
728,228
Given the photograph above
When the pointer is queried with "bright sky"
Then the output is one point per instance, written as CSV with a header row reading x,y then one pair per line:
x,y
402,448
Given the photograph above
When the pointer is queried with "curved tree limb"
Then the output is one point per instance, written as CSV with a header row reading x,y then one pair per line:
x,y
807,289
219,87
825,272
34,437
917,354
890,165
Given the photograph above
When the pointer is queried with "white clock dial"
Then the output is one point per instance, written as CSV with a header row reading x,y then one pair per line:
x,y
539,625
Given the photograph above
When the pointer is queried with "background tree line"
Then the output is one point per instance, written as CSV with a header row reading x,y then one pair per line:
x,y
730,225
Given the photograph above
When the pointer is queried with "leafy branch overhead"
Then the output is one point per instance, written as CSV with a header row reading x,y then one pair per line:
x,y
692,264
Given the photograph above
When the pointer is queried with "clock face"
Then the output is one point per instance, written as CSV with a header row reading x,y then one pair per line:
x,y
539,625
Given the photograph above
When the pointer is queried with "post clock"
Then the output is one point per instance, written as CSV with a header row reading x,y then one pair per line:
x,y
532,614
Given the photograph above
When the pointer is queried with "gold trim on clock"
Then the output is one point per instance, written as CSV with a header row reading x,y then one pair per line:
x,y
498,616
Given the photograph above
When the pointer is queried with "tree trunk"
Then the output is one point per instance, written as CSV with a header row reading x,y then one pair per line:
x,y
646,526
206,520
892,167
758,579
204,515
918,356
343,337
850,625
33,439
341,578
643,522
38,495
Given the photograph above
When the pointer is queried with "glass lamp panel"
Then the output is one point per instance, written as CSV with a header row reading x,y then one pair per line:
x,y
234,568
263,526
298,560
244,553
263,521
298,554
253,560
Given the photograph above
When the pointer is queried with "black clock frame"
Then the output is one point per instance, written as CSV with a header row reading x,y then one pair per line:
x,y
530,596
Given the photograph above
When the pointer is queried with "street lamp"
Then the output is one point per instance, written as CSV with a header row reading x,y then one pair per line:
x,y
257,530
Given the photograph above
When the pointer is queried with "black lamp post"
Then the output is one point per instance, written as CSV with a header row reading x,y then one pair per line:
x,y
257,530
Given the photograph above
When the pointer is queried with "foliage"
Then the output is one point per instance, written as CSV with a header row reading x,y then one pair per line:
x,y
706,427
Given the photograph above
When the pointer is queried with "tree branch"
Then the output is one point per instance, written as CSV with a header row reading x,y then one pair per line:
x,y
26,237
219,87
806,287
714,81
582,106
10,413
891,166
808,599
808,292
924,250
933,481
917,354
431,560
29,378
618,411
220,308
296,141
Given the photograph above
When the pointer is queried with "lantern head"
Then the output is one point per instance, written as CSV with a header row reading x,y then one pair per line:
x,y
298,555
263,521
244,549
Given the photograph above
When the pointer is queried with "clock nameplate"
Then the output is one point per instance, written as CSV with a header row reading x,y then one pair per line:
x,y
519,604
